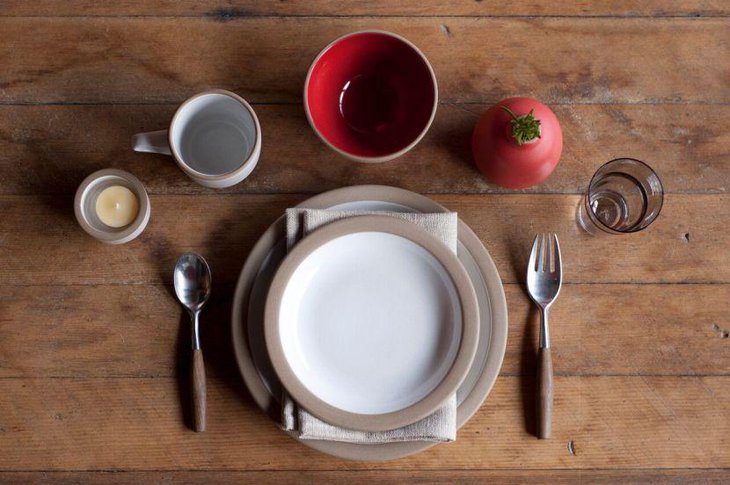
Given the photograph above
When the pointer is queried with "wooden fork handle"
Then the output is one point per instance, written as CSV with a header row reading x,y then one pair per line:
x,y
544,393
197,384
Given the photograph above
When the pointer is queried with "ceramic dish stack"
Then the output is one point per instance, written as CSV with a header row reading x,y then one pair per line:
x,y
369,323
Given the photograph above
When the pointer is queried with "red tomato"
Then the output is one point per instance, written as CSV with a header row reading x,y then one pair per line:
x,y
497,150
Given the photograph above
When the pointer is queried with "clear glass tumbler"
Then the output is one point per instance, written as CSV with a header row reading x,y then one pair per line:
x,y
624,196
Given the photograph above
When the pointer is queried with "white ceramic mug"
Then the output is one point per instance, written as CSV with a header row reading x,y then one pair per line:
x,y
214,137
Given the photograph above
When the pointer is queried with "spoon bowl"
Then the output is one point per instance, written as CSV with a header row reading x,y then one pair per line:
x,y
192,281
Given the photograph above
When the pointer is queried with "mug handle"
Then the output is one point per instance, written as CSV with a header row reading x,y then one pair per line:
x,y
152,142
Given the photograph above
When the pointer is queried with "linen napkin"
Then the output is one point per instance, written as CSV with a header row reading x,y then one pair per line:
x,y
437,427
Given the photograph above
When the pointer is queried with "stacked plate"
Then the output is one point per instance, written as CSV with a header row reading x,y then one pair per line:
x,y
369,323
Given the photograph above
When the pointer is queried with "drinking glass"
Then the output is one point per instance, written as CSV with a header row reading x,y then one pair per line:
x,y
625,195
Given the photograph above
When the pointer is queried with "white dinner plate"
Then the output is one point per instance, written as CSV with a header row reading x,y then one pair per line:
x,y
371,323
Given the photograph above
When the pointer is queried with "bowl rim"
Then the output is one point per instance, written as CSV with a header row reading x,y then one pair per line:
x,y
448,385
382,158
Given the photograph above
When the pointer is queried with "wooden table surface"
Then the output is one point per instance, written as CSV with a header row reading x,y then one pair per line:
x,y
93,344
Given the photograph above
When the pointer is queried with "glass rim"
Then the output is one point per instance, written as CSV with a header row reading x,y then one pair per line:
x,y
600,224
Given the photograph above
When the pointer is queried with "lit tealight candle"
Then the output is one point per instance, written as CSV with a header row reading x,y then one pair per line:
x,y
117,206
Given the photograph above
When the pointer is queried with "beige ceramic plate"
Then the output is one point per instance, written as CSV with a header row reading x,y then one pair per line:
x,y
268,252
388,347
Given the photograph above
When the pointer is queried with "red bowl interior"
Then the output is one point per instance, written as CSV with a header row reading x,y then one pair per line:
x,y
370,94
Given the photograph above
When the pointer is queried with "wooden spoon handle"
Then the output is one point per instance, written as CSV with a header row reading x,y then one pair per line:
x,y
544,393
197,380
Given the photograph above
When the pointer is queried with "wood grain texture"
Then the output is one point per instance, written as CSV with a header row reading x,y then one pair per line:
x,y
142,331
199,391
225,10
685,245
507,477
49,149
594,60
94,348
612,422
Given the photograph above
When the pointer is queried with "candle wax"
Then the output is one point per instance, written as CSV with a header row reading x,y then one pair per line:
x,y
117,206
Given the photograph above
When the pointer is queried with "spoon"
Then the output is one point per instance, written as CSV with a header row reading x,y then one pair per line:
x,y
192,286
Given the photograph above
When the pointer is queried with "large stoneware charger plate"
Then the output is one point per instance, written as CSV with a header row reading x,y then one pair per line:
x,y
371,323
258,271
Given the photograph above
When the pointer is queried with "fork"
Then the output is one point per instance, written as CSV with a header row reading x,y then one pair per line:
x,y
544,275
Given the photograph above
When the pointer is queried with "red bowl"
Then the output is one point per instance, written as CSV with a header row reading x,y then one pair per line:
x,y
370,96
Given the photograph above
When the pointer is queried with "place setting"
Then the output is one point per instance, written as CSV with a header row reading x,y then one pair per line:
x,y
369,322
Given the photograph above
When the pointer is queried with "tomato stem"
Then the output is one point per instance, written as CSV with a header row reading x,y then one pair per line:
x,y
525,128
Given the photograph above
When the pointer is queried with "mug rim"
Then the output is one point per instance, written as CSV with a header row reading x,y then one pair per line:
x,y
244,164
389,156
